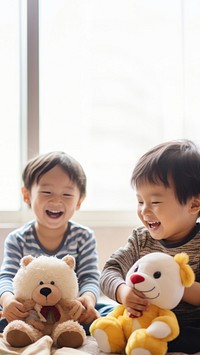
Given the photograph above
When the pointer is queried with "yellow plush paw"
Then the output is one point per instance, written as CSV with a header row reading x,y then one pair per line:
x,y
109,335
141,343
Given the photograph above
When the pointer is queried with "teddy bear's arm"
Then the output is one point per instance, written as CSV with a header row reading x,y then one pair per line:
x,y
28,304
73,309
165,326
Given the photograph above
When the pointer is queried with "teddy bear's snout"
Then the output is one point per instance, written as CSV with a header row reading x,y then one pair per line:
x,y
45,291
136,279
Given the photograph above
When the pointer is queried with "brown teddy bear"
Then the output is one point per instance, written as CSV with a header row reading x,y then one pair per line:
x,y
48,288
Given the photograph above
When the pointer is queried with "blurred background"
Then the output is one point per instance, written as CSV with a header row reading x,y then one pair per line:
x,y
103,80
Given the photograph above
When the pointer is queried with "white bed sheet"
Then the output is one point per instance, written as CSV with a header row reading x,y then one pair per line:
x,y
44,346
92,348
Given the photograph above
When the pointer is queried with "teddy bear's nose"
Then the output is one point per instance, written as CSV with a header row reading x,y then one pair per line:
x,y
45,291
136,279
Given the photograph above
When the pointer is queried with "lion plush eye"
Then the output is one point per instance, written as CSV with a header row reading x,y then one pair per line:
x,y
157,275
52,283
41,283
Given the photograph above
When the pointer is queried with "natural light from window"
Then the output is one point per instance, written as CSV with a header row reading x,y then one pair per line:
x,y
10,178
116,79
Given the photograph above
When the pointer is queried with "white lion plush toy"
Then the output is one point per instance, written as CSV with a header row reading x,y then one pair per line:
x,y
161,278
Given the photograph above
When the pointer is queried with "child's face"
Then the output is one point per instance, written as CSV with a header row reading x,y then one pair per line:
x,y
162,214
54,199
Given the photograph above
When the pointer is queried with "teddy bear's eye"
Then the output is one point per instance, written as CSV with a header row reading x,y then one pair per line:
x,y
136,269
52,283
157,275
41,283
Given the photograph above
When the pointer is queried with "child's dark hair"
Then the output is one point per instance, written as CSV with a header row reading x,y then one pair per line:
x,y
40,165
177,162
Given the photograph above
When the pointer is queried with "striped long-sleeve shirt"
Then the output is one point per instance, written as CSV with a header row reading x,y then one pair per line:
x,y
141,243
78,241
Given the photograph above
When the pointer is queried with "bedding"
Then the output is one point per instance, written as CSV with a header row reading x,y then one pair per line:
x,y
44,347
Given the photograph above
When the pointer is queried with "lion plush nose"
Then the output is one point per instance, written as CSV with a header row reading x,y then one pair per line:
x,y
45,291
136,279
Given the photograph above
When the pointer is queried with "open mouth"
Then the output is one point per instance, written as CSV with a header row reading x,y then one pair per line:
x,y
154,225
54,214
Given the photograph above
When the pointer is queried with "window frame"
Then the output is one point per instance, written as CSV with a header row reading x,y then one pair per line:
x,y
32,78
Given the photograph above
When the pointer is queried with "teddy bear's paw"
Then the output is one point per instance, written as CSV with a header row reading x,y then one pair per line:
x,y
19,334
140,351
69,334
18,338
109,334
71,339
141,343
102,340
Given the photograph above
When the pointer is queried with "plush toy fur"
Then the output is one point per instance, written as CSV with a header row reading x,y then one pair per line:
x,y
48,288
161,278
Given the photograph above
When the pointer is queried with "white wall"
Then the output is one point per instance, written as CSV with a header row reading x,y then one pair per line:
x,y
109,239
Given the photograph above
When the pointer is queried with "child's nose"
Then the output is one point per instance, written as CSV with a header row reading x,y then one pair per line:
x,y
145,209
56,198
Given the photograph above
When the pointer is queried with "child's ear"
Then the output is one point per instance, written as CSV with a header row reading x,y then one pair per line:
x,y
195,205
26,195
82,198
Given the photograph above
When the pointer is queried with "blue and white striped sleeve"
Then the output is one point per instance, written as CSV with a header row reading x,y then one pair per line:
x,y
10,264
87,264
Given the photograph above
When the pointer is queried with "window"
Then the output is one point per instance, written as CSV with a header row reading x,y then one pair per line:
x,y
113,79
10,108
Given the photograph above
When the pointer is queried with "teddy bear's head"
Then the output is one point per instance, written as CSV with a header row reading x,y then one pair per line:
x,y
161,278
46,280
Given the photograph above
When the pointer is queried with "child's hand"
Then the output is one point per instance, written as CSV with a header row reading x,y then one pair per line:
x,y
14,310
134,301
90,313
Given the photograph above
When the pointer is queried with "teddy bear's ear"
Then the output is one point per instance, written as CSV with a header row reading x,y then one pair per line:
x,y
69,260
186,272
26,260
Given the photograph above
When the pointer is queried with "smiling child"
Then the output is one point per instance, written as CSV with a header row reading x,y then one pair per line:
x,y
167,184
54,186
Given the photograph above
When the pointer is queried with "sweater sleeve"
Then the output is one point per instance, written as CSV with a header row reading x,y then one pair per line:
x,y
116,268
87,264
10,263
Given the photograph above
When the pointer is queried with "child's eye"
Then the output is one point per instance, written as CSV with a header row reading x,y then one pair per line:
x,y
155,203
45,192
67,195
140,203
